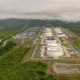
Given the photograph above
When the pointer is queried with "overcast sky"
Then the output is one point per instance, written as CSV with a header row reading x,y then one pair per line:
x,y
40,9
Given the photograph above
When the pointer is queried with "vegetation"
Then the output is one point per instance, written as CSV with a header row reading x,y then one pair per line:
x,y
1,43
75,29
12,69
28,54
10,27
77,43
7,47
16,63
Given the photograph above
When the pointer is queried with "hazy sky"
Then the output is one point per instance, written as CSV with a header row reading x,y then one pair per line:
x,y
43,9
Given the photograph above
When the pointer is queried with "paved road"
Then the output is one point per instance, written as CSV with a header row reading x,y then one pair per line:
x,y
55,59
36,38
32,57
4,43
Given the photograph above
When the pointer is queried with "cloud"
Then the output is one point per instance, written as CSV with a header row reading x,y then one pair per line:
x,y
40,9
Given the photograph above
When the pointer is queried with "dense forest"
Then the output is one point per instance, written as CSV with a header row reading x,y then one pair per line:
x,y
4,49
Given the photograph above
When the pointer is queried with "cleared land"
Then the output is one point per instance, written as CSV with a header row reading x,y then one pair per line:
x,y
65,68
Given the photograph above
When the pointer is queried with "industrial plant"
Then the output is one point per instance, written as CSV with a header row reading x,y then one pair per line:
x,y
53,43
50,47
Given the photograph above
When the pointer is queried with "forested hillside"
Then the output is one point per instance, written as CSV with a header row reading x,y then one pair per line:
x,y
18,23
10,27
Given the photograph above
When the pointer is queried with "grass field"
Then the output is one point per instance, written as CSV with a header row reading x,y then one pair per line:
x,y
77,43
75,29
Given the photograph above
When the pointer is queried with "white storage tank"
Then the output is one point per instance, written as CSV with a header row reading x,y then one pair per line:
x,y
54,52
